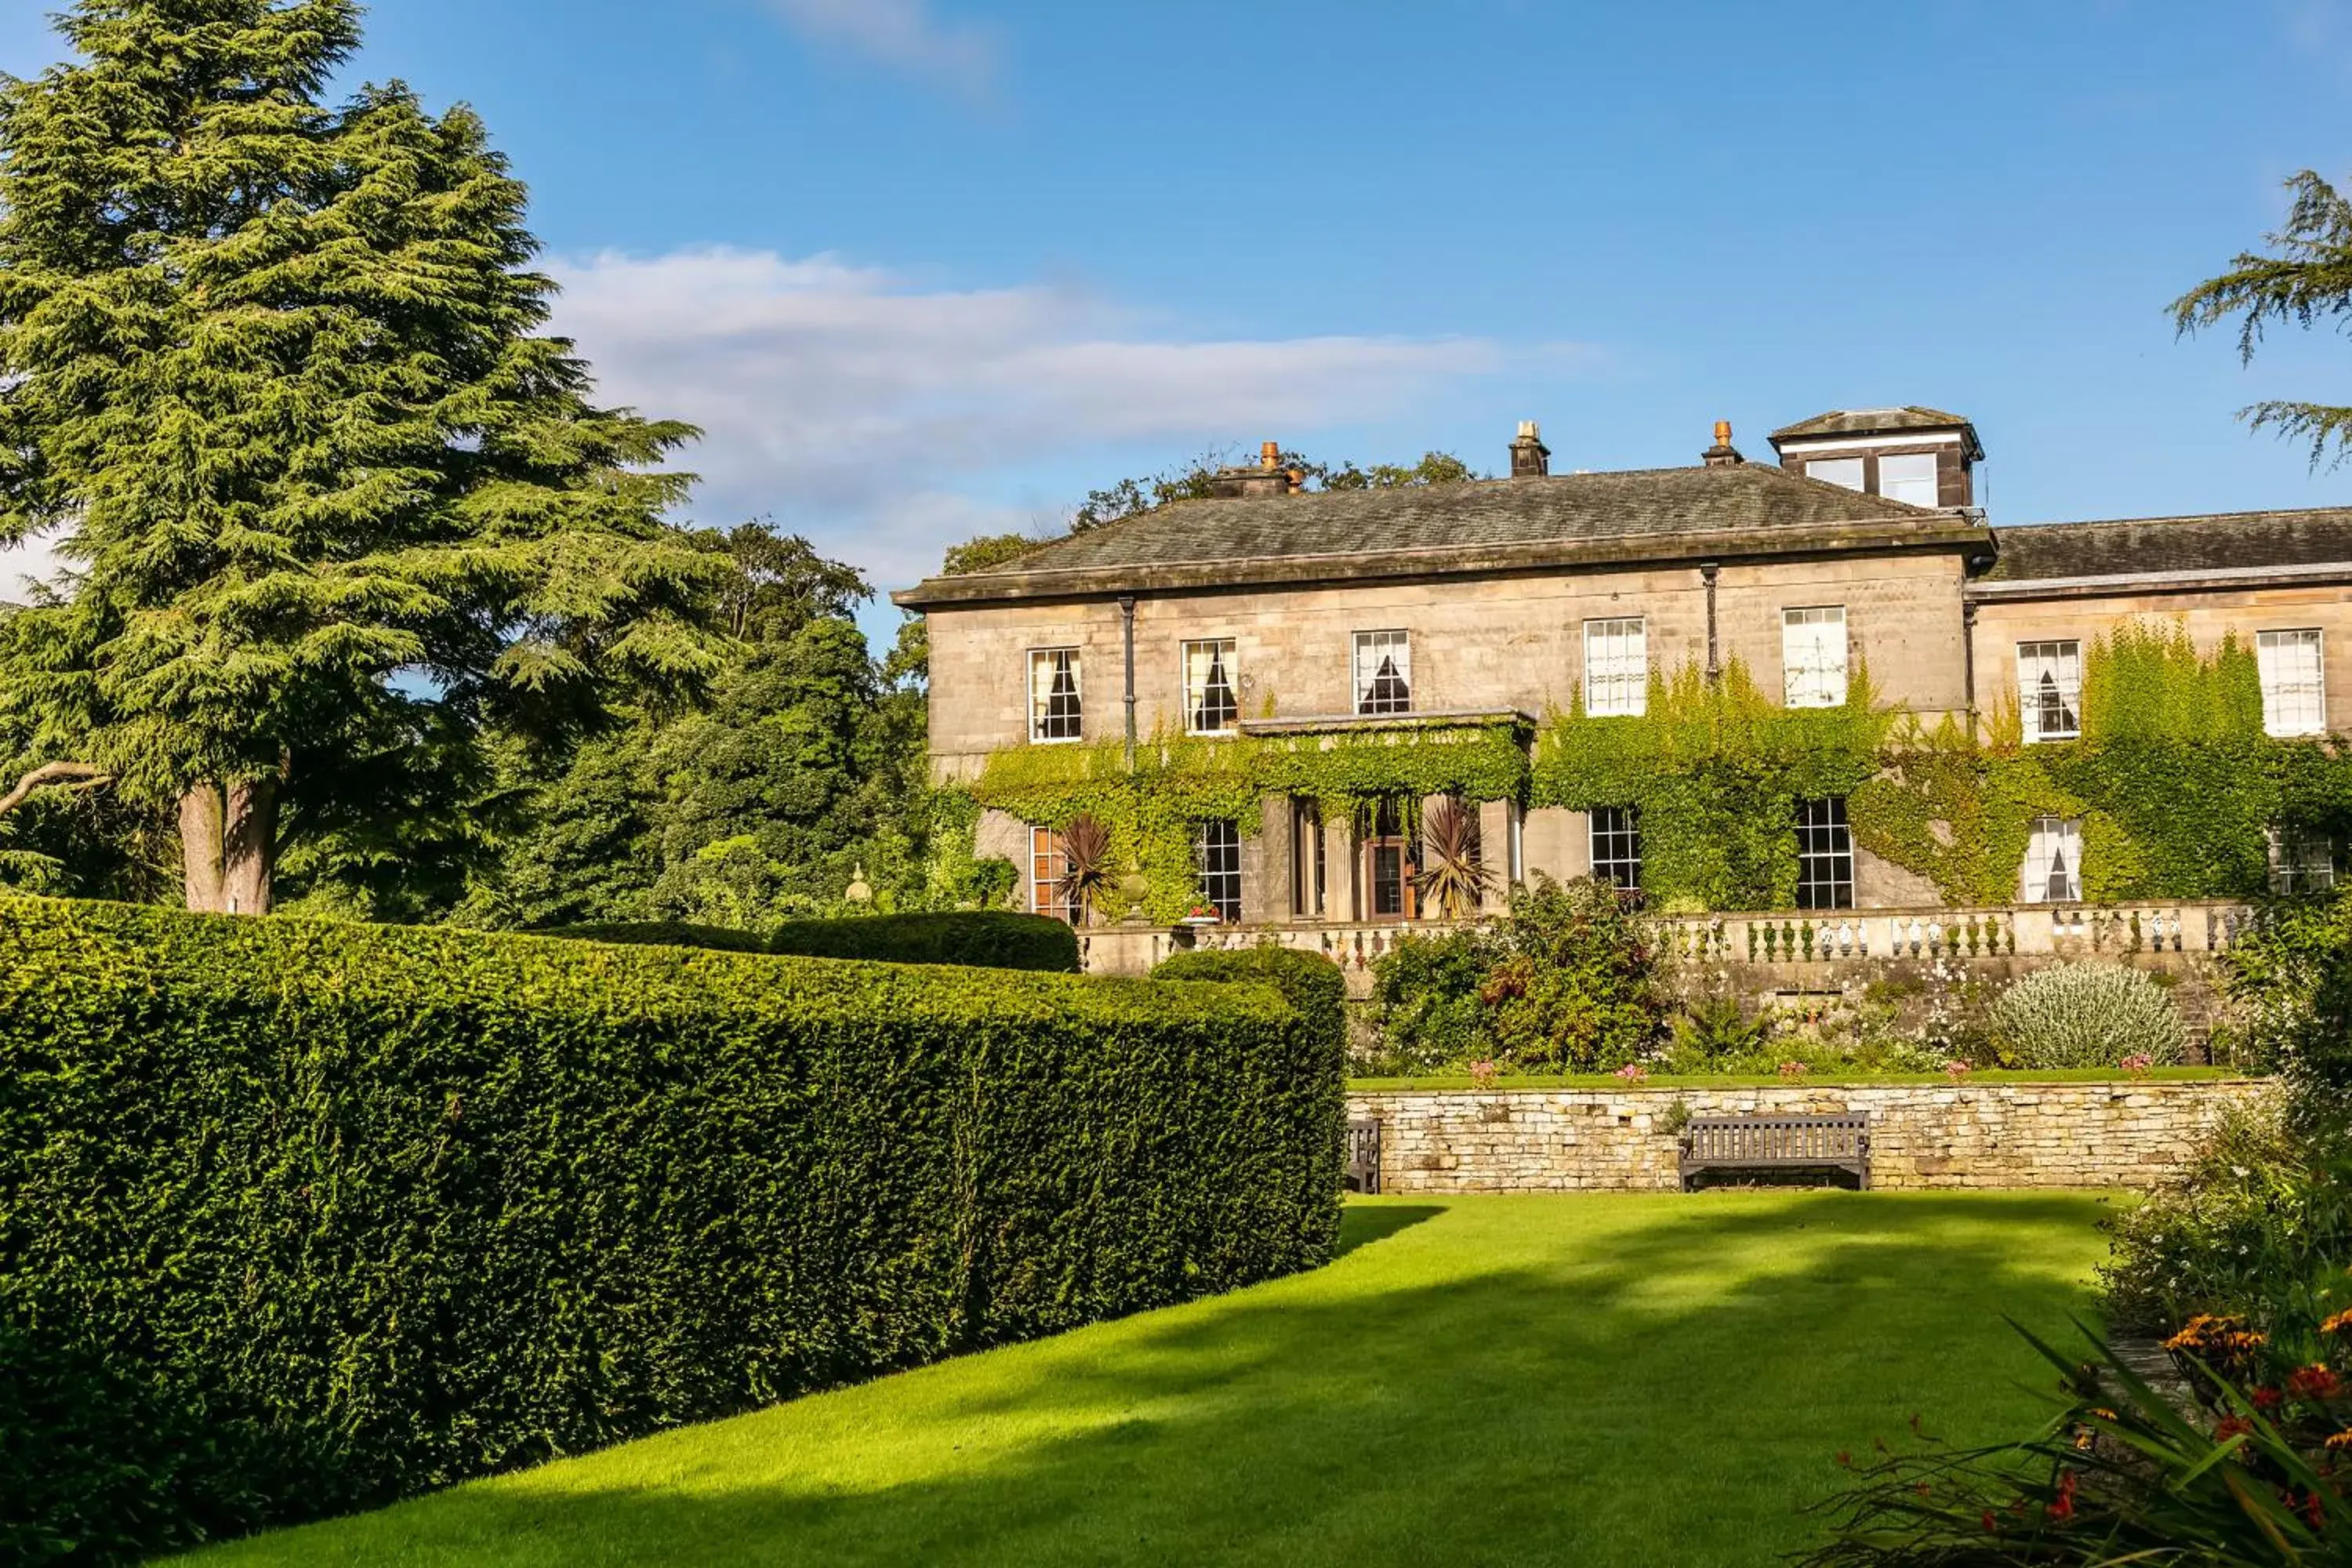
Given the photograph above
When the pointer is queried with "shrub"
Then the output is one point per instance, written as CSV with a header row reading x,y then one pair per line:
x,y
1566,982
988,939
298,1217
2086,1016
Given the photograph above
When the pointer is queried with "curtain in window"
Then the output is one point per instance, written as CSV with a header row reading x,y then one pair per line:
x,y
1812,657
1054,708
1383,672
2049,689
2053,862
1210,706
1616,668
2294,698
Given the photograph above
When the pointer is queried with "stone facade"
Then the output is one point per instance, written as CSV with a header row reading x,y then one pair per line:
x,y
2002,1133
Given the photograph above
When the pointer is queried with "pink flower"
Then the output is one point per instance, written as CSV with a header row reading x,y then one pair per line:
x,y
1632,1072
2138,1064
1957,1070
1482,1073
1792,1070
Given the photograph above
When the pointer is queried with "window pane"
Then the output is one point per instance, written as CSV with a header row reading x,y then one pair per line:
x,y
1846,472
1616,668
1217,856
1617,845
1812,657
2301,861
1824,855
2294,695
1046,863
1908,477
2053,862
1053,709
1383,672
2049,689
1210,706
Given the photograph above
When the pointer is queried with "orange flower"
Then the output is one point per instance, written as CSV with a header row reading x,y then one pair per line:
x,y
2341,1324
2268,1398
2341,1443
2230,1426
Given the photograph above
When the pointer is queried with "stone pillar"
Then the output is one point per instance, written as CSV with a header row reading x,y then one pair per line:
x,y
1494,853
1343,892
1267,865
1557,844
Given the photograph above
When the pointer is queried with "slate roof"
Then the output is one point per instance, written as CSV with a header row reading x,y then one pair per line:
x,y
1872,422
2148,546
1561,520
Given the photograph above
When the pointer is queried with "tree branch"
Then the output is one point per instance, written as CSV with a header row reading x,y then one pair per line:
x,y
73,776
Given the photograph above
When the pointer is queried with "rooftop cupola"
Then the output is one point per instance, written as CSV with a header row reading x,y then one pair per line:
x,y
1530,459
1922,457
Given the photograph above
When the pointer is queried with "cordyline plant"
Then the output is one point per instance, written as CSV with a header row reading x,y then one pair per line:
x,y
1086,877
1454,883
2251,1476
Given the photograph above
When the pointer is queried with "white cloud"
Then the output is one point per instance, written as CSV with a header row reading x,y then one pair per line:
x,y
867,412
900,33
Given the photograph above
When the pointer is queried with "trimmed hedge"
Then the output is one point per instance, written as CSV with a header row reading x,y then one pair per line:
x,y
297,1217
1312,982
989,939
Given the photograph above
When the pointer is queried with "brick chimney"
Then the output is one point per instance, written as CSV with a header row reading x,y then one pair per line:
x,y
1268,479
1530,459
1723,454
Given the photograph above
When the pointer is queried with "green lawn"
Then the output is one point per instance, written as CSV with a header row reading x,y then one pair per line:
x,y
1587,1380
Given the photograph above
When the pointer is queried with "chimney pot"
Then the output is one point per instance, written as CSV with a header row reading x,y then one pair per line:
x,y
1269,455
1723,454
1530,459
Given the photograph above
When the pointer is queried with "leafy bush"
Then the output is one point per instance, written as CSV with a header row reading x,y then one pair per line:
x,y
297,1217
1566,982
2258,1225
989,939
2086,1016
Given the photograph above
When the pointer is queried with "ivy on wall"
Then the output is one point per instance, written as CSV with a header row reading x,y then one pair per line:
x,y
1178,782
2172,779
1716,769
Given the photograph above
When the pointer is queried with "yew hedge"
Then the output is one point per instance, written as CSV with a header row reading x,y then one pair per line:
x,y
297,1217
991,939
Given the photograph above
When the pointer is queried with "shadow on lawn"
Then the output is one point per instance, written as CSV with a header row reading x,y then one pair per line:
x,y
1361,1225
1667,1386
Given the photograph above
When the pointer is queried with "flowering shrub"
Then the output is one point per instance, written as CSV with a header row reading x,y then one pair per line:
x,y
2086,1016
1957,1070
1483,1073
1792,1070
1632,1072
2139,1064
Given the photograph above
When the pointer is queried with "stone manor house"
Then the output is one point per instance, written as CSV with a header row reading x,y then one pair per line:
x,y
1268,611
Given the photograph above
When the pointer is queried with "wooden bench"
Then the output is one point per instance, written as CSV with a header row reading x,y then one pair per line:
x,y
1364,1155
1776,1143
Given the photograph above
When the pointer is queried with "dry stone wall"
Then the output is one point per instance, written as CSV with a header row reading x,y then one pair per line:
x,y
2004,1133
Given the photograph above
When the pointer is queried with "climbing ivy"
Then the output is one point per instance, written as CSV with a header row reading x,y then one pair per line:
x,y
1181,781
1716,769
2172,778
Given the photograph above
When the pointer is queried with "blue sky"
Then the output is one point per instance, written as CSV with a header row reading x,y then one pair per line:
x,y
925,268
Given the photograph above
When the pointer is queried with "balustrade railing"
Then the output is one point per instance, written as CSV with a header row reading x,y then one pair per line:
x,y
1824,936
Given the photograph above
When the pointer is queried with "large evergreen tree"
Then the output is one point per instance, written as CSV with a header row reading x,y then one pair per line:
x,y
272,372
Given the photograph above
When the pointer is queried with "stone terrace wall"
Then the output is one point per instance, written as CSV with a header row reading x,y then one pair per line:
x,y
1988,1134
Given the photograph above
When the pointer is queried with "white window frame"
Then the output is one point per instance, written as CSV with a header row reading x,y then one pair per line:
x,y
1933,480
2061,659
1368,647
1814,466
1041,689
2294,703
1809,676
2301,861
1616,666
1195,696
1616,829
1825,857
1217,867
2047,838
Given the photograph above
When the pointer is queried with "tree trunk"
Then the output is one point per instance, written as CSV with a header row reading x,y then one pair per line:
x,y
249,846
200,847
